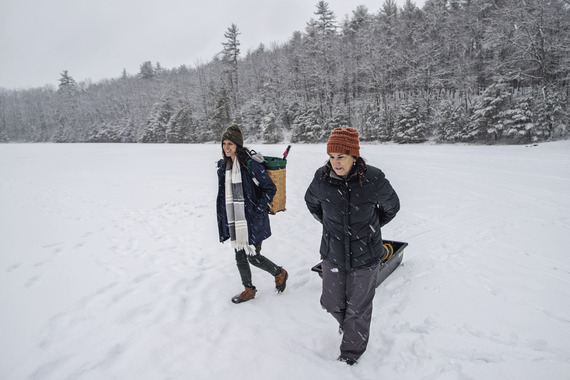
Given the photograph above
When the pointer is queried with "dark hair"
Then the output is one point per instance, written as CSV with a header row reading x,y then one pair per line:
x,y
359,168
242,154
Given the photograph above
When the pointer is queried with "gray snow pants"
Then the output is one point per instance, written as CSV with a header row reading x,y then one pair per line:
x,y
348,296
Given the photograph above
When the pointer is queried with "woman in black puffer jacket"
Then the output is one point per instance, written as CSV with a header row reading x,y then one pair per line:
x,y
352,201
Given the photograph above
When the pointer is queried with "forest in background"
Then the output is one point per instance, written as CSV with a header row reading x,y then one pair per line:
x,y
477,71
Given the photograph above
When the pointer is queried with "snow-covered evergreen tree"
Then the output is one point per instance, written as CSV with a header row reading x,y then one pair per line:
x,y
338,120
102,133
486,122
128,131
146,70
377,125
270,132
157,123
552,118
3,137
67,102
158,70
230,59
326,21
252,114
371,124
112,133
220,118
451,120
308,127
518,120
410,127
181,127
67,85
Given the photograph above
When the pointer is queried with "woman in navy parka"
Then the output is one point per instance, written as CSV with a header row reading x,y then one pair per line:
x,y
245,191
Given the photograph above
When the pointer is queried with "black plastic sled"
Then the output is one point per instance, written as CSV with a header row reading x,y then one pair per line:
x,y
386,267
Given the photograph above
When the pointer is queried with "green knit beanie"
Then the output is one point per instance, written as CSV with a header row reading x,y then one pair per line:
x,y
233,133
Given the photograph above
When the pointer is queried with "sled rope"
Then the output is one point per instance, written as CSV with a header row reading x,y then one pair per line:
x,y
389,252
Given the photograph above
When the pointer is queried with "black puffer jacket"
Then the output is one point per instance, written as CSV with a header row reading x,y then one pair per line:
x,y
352,212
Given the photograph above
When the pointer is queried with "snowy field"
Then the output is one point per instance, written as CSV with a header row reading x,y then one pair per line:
x,y
110,268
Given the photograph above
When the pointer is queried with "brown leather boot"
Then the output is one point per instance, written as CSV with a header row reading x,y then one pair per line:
x,y
281,280
246,295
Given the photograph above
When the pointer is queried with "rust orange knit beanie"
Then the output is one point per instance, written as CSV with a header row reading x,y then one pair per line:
x,y
344,140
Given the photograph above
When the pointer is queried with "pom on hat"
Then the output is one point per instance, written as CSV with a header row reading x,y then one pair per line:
x,y
233,133
345,141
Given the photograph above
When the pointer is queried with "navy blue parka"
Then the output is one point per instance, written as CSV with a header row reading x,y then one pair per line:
x,y
259,190
352,214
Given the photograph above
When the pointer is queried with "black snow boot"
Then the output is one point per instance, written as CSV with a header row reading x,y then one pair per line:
x,y
349,361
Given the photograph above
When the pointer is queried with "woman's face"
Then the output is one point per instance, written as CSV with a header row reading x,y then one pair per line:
x,y
229,148
341,163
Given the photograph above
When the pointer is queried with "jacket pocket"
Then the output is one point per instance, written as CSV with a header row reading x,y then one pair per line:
x,y
258,212
325,245
372,248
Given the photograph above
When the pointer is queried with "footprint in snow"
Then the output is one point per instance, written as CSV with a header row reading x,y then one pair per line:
x,y
12,268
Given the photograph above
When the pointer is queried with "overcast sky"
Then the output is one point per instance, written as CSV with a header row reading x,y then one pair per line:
x,y
97,39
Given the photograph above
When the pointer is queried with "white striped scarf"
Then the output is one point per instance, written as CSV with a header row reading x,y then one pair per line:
x,y
235,209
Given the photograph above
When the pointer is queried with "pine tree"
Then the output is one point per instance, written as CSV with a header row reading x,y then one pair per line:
x,y
387,124
158,69
485,122
102,133
518,120
371,122
251,122
4,137
450,121
270,132
128,130
146,70
181,127
552,118
326,20
156,126
220,118
230,56
67,109
339,120
377,125
308,127
389,10
67,85
410,127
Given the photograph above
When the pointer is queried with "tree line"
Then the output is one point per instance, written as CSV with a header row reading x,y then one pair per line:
x,y
481,71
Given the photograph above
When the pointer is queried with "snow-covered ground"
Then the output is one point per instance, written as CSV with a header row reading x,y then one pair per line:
x,y
110,268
